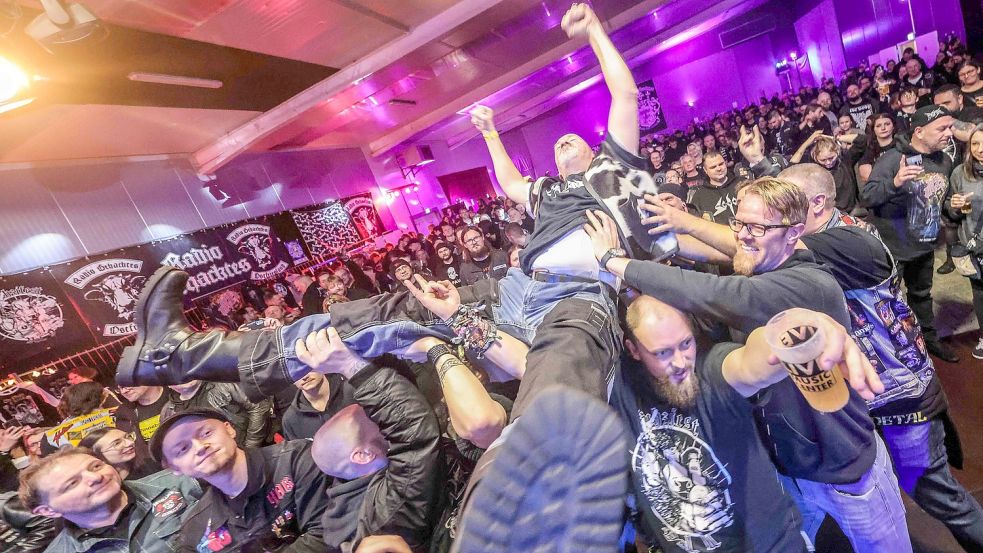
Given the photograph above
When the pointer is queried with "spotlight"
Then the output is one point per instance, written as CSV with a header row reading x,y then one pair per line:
x,y
14,87
63,24
691,103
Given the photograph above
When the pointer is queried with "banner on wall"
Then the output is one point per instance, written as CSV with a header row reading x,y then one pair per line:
x,y
38,323
105,290
650,116
364,216
326,229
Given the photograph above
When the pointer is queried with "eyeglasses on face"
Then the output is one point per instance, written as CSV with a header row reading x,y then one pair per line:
x,y
121,443
754,229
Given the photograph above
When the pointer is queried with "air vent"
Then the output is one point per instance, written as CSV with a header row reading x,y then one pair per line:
x,y
746,31
400,102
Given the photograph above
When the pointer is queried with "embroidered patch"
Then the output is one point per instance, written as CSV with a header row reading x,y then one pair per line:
x,y
275,494
214,541
168,505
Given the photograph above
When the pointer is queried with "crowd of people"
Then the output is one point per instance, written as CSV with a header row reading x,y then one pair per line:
x,y
504,381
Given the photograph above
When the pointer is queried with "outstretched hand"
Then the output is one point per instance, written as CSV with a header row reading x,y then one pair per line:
x,y
324,352
751,144
602,231
10,437
578,20
483,118
665,216
442,298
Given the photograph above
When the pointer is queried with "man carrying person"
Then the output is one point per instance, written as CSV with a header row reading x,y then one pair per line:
x,y
771,275
702,477
102,512
560,303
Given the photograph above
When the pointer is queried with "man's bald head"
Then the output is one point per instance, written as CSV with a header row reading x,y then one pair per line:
x,y
349,445
648,313
819,188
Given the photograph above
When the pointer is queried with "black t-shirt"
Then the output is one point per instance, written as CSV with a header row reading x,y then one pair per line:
x,y
858,260
701,476
974,98
561,205
23,408
148,416
494,266
717,204
449,271
859,112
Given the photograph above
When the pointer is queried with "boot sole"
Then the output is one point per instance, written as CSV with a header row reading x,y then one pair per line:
x,y
131,354
557,483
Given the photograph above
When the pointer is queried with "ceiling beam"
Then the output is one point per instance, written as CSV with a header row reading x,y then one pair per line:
x,y
212,156
369,12
392,139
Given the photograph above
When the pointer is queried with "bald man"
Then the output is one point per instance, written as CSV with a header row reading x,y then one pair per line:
x,y
701,475
383,452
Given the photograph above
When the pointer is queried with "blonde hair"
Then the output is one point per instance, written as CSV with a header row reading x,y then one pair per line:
x,y
30,478
782,197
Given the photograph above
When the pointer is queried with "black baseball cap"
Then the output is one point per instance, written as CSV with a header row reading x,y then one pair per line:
x,y
157,442
928,114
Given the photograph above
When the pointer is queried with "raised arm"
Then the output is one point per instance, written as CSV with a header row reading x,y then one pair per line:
x,y
475,416
509,178
695,234
580,21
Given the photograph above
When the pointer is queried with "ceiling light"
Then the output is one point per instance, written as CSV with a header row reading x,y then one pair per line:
x,y
176,80
13,80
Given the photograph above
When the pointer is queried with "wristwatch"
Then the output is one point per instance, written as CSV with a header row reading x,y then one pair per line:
x,y
613,252
434,353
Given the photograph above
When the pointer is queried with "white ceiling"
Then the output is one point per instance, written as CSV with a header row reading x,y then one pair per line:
x,y
443,55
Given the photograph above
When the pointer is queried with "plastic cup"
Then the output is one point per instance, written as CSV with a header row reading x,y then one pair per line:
x,y
797,339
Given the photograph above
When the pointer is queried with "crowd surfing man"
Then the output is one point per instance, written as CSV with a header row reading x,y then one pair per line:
x,y
559,303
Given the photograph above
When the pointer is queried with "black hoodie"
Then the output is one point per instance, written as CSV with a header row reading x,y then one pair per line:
x,y
301,419
907,217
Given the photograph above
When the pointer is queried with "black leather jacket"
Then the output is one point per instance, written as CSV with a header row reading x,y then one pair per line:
x,y
21,531
250,420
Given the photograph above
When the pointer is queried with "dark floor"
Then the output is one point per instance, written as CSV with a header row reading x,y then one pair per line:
x,y
962,381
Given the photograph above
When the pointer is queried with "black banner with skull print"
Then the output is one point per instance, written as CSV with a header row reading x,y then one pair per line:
x,y
38,322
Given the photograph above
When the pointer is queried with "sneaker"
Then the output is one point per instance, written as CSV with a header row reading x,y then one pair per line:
x,y
946,267
978,350
557,482
941,351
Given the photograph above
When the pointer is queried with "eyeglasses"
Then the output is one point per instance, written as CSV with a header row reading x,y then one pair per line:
x,y
754,229
967,73
473,240
121,443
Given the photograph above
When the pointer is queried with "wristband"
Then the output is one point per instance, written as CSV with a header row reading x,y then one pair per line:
x,y
489,134
474,332
434,353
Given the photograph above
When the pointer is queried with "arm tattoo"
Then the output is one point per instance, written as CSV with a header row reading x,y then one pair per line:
x,y
448,364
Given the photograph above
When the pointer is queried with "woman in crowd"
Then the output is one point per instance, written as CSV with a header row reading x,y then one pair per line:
x,y
971,84
880,138
122,451
966,207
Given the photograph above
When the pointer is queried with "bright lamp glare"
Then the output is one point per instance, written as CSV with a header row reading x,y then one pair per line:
x,y
12,80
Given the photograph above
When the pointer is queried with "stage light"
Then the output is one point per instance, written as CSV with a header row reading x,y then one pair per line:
x,y
911,36
416,188
794,55
691,103
13,81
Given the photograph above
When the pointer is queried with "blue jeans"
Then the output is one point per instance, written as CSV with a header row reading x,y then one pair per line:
x,y
869,511
920,460
570,328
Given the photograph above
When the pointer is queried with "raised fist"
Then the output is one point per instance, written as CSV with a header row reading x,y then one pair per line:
x,y
482,118
578,20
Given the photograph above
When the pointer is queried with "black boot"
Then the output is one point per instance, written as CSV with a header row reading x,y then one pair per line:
x,y
167,350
